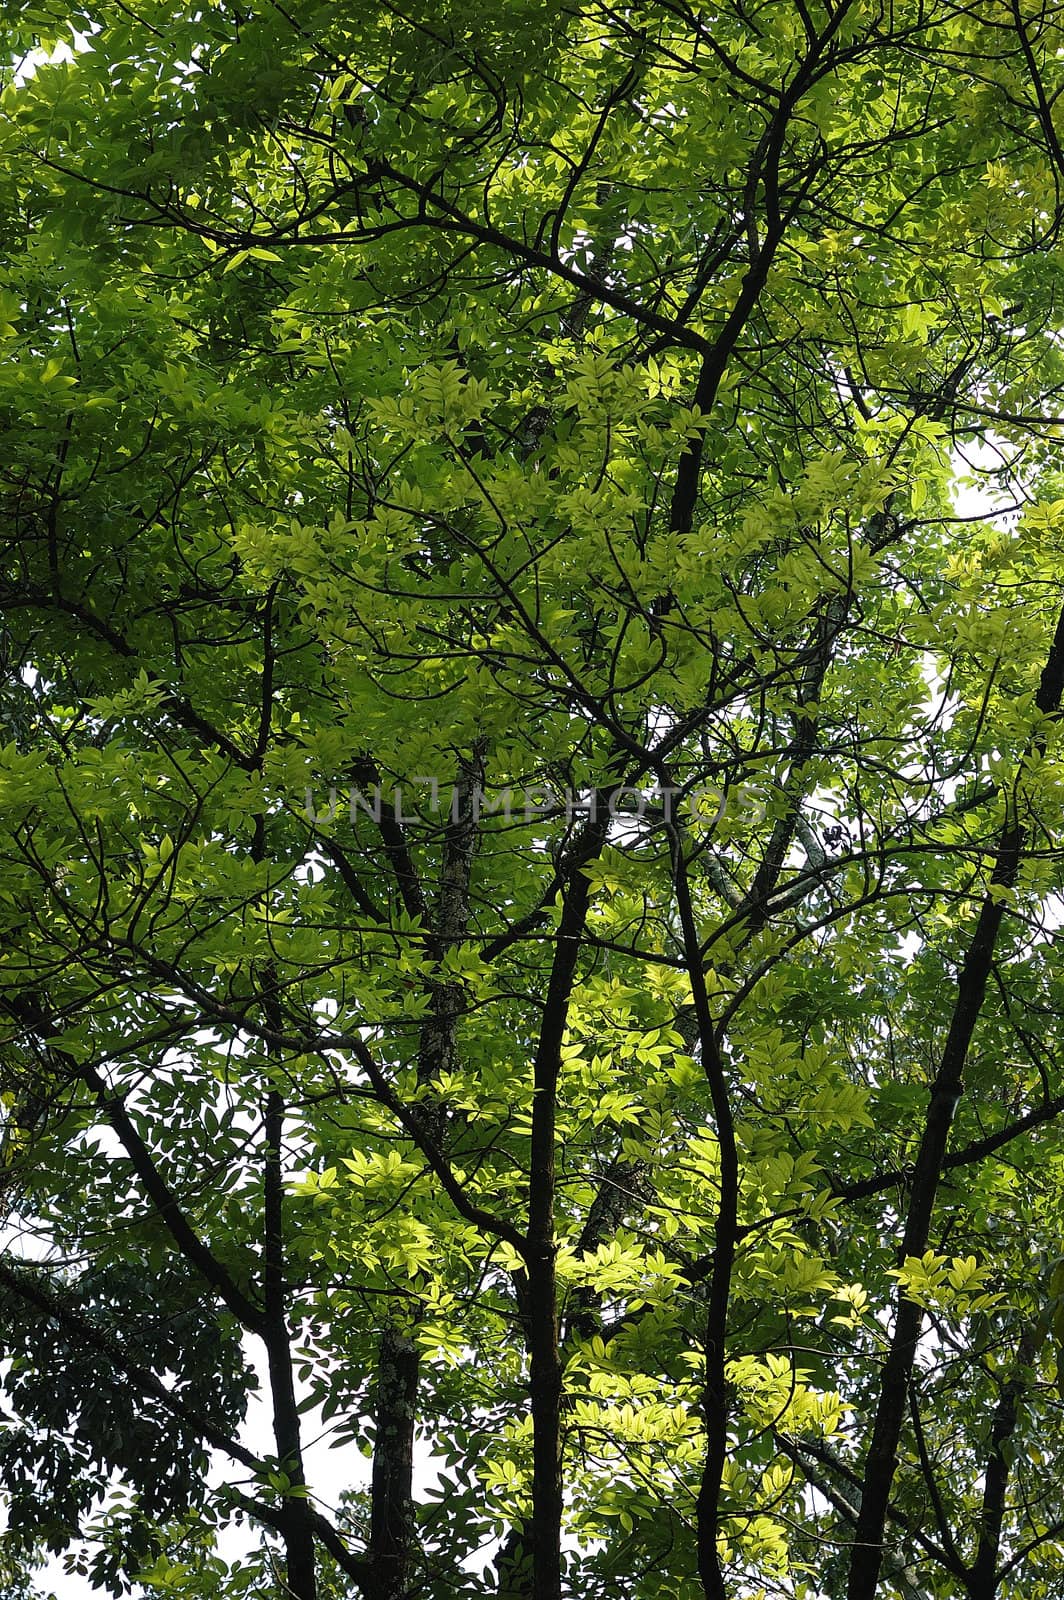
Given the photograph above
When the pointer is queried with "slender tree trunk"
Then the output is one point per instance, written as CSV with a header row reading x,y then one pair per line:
x,y
392,1527
541,1319
583,1319
545,1398
391,1490
298,1533
983,1579
881,1461
716,1401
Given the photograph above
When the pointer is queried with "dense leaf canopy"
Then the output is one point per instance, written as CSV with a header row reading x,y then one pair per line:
x,y
529,819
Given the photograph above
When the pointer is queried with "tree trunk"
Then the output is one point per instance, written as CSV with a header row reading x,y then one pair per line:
x,y
541,1317
983,1579
545,1398
391,1492
297,1530
882,1459
391,1539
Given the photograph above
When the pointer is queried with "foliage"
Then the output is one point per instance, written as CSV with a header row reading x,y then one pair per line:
x,y
528,861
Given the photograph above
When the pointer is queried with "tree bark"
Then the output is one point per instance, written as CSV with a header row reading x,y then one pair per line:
x,y
391,1489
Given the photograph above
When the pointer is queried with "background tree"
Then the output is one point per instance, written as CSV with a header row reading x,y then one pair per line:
x,y
529,858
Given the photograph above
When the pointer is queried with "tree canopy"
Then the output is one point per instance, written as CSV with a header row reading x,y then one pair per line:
x,y
530,821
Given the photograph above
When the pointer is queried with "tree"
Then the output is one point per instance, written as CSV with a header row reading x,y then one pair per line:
x,y
529,859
